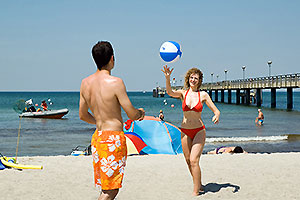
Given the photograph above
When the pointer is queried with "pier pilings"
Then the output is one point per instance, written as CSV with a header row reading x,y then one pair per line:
x,y
229,96
258,97
216,95
273,97
238,97
222,96
289,98
247,96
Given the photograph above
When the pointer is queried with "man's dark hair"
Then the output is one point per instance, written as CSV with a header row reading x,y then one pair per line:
x,y
102,52
238,149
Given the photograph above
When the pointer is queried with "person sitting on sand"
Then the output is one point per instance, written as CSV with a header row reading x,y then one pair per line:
x,y
224,149
260,118
161,115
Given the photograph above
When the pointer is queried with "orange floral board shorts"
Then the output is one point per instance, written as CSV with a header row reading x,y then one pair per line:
x,y
109,152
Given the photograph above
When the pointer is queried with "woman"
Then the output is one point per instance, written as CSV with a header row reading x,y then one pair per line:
x,y
193,131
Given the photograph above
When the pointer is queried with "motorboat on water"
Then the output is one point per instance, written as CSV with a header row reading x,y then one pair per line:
x,y
49,114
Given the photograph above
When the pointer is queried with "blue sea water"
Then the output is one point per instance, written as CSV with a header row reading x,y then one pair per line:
x,y
280,132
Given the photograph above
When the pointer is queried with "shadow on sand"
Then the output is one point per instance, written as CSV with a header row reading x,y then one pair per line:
x,y
215,187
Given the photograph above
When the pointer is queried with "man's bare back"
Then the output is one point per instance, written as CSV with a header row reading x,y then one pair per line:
x,y
104,95
99,91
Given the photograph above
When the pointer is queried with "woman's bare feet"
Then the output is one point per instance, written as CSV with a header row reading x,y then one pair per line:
x,y
201,191
201,188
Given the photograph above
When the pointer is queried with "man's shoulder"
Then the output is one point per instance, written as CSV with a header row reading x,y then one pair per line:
x,y
87,79
95,77
114,81
116,78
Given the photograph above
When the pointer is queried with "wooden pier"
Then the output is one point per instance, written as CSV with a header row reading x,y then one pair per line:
x,y
250,90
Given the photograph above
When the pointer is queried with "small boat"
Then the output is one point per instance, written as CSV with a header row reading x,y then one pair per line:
x,y
49,114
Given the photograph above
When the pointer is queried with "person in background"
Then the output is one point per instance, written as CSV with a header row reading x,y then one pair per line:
x,y
161,115
30,106
104,95
193,131
31,109
224,149
260,118
44,105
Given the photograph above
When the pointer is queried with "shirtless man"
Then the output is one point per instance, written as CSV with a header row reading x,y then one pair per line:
x,y
260,118
104,95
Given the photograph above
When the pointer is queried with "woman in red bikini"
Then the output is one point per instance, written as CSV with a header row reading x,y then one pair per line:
x,y
193,131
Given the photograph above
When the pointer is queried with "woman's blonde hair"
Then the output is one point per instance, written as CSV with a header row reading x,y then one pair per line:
x,y
187,77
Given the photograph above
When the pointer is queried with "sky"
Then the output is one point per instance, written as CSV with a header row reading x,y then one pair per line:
x,y
46,45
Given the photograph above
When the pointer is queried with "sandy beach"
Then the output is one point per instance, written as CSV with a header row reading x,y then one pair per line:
x,y
244,176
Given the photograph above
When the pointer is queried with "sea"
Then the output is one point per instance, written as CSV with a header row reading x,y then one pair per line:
x,y
49,137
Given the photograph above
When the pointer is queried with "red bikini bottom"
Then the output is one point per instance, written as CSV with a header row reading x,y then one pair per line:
x,y
192,132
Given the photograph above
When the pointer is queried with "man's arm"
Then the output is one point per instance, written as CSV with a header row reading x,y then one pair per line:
x,y
84,108
132,112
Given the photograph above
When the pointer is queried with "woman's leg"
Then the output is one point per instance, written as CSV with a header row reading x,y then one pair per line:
x,y
195,153
186,143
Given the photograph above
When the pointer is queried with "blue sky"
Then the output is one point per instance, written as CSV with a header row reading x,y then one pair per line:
x,y
46,45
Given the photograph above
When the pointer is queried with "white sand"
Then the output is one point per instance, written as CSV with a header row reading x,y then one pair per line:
x,y
244,176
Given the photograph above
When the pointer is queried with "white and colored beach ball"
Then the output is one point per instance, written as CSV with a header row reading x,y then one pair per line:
x,y
170,51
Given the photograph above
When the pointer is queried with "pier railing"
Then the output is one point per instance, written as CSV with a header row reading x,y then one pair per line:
x,y
280,81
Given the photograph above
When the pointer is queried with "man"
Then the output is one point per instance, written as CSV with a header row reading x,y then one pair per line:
x,y
44,105
104,95
161,115
260,118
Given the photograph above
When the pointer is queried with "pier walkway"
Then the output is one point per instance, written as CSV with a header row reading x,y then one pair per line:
x,y
248,90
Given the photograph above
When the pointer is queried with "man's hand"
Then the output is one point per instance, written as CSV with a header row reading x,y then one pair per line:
x,y
142,114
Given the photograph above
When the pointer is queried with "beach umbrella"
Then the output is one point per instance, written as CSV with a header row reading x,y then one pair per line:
x,y
134,143
157,137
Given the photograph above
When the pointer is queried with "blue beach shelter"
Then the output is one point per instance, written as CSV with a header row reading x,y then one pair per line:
x,y
1,166
155,136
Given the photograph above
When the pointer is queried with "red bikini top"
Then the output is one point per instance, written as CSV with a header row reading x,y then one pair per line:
x,y
197,108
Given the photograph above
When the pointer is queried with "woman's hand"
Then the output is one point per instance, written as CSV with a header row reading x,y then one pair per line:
x,y
166,70
215,118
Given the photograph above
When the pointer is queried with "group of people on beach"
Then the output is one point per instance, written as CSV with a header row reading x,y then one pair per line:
x,y
104,95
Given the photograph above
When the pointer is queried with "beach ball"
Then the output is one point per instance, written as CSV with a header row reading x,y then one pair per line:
x,y
170,51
